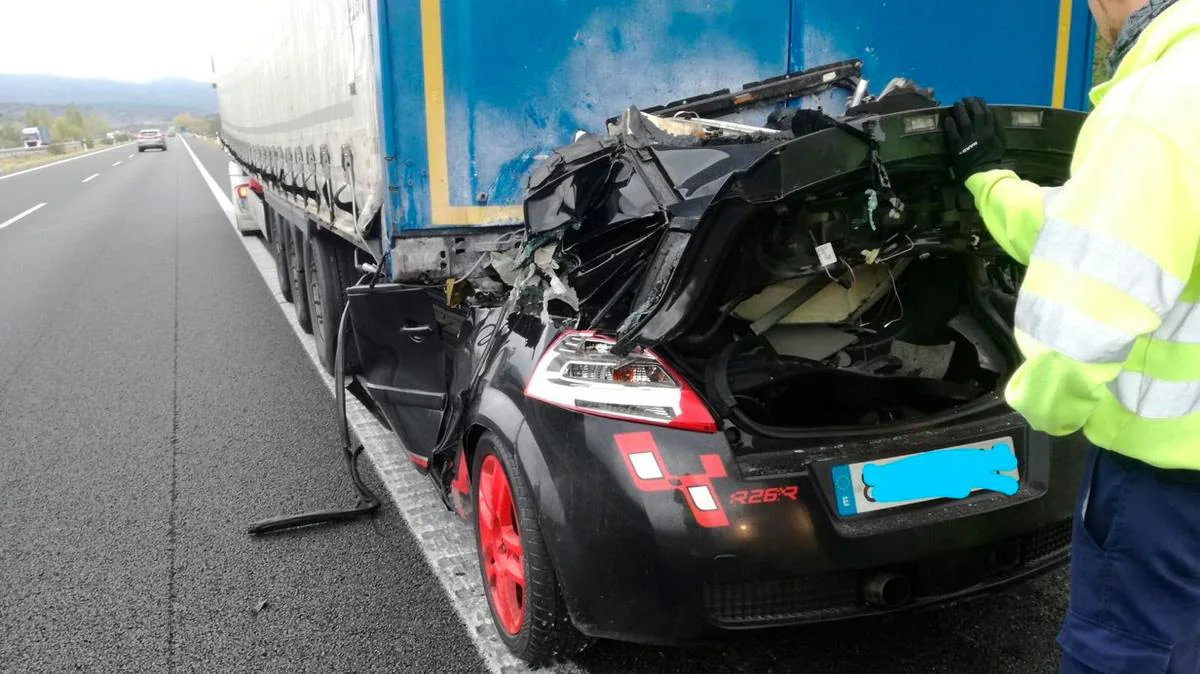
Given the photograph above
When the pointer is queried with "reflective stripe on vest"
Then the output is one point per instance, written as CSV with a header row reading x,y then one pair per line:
x,y
1181,324
1152,398
1106,258
1070,332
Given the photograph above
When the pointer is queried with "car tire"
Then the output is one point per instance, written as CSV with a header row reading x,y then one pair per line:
x,y
279,249
531,619
330,269
141,149
296,274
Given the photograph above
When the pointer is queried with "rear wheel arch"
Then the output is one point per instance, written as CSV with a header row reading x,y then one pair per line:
x,y
547,632
495,406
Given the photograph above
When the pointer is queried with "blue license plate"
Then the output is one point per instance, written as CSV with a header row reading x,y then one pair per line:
x,y
954,472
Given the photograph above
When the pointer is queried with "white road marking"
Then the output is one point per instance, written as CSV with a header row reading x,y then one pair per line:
x,y
446,542
90,177
20,215
117,163
60,161
222,200
131,155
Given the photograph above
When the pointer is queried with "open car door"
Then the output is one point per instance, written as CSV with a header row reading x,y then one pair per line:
x,y
403,364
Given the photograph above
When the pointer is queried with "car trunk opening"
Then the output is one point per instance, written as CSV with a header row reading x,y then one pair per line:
x,y
867,345
825,310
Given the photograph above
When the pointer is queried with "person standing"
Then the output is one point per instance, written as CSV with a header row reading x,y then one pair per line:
x,y
1108,320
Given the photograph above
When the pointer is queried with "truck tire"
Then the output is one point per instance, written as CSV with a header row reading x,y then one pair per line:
x,y
530,614
278,244
329,272
295,247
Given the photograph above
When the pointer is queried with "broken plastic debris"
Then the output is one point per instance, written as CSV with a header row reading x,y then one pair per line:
x,y
543,259
507,266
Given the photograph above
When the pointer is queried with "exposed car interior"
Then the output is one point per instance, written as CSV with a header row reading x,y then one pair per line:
x,y
826,320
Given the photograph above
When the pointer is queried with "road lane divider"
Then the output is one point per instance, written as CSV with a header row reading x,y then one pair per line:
x,y
117,163
20,215
90,177
447,543
61,161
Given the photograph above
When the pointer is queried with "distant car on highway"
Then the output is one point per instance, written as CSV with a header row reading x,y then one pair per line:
x,y
148,138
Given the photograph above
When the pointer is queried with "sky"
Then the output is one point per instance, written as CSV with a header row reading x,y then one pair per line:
x,y
131,40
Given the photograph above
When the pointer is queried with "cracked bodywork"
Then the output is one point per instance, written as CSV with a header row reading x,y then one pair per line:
x,y
649,233
655,195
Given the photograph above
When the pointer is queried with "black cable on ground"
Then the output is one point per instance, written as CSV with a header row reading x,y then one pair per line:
x,y
367,501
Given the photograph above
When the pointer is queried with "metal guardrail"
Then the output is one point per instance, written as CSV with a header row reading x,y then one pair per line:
x,y
18,151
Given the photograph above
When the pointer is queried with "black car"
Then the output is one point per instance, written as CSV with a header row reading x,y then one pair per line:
x,y
734,377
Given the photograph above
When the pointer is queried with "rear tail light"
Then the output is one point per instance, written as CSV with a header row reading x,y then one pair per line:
x,y
243,191
579,372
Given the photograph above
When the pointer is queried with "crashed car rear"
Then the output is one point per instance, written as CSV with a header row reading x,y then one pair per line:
x,y
709,388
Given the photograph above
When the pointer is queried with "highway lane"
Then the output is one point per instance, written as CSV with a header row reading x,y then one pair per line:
x,y
152,403
1010,632
42,181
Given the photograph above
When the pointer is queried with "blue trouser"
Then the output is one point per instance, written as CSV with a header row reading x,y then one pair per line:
x,y
1135,570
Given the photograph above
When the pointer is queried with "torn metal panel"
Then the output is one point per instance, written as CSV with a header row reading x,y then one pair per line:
x,y
610,202
816,190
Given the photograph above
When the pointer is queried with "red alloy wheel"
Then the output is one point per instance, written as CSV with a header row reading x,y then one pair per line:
x,y
503,559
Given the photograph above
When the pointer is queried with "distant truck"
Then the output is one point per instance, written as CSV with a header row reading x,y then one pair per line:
x,y
35,136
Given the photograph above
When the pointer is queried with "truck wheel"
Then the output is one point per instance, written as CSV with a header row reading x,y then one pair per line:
x,y
329,271
295,247
522,590
279,248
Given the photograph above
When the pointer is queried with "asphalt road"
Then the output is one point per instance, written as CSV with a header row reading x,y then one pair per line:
x,y
152,404
153,401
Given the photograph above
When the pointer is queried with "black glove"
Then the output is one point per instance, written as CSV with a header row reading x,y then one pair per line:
x,y
974,138
799,121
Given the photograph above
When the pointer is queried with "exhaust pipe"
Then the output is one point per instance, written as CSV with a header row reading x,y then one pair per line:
x,y
886,590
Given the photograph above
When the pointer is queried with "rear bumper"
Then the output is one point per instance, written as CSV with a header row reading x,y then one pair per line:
x,y
637,562
245,222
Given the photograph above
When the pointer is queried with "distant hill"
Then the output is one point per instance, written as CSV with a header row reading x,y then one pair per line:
x,y
180,95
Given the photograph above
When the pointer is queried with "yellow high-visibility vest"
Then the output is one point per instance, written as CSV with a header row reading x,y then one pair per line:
x,y
1108,317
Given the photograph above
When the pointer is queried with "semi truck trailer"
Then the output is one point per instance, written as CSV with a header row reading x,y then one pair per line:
x,y
653,290
35,136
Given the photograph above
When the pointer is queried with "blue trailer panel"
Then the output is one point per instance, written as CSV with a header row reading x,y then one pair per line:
x,y
472,94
